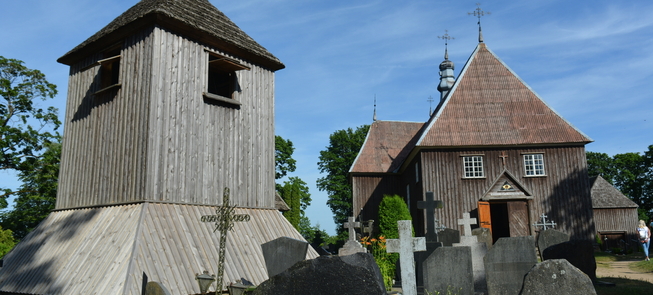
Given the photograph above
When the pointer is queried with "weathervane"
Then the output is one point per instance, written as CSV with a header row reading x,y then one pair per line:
x,y
478,12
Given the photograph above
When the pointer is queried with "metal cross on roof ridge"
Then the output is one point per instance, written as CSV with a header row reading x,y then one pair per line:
x,y
478,12
446,39
224,219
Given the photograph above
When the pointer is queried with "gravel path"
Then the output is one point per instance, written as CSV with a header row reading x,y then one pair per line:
x,y
620,269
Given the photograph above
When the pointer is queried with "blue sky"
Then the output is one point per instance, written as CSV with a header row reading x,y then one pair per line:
x,y
591,61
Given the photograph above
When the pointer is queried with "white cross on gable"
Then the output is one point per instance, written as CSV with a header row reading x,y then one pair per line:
x,y
467,223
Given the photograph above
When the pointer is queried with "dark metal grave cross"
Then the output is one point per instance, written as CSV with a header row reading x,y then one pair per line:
x,y
224,219
543,223
430,205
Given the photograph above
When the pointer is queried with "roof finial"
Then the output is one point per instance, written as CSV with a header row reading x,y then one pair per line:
x,y
446,39
374,118
478,12
430,100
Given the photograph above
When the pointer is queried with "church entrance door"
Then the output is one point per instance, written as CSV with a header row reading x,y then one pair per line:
x,y
505,218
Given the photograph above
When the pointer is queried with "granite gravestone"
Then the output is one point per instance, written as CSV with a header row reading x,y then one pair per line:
x,y
478,251
550,237
356,274
449,267
282,253
155,288
448,237
580,253
483,235
405,246
506,264
557,276
351,246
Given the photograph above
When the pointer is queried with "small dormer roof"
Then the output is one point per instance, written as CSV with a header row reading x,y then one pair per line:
x,y
199,20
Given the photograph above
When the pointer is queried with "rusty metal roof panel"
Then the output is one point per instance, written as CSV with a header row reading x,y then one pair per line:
x,y
387,145
490,105
108,249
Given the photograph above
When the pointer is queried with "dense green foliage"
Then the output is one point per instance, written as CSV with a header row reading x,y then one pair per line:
x,y
7,241
392,209
295,193
36,197
283,161
336,161
631,173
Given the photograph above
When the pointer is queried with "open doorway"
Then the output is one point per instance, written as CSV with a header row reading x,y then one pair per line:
x,y
505,218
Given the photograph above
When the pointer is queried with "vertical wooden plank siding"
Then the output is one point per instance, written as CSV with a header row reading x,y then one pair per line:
x,y
616,219
563,194
158,139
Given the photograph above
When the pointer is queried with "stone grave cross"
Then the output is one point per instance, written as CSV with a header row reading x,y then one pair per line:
x,y
351,225
467,222
544,223
405,246
430,205
369,228
224,219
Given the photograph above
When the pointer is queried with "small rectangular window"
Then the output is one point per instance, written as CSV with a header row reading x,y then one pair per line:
x,y
222,80
109,69
416,172
408,196
534,164
473,166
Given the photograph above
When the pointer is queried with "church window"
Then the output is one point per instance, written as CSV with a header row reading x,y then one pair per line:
x,y
222,80
416,172
473,166
534,164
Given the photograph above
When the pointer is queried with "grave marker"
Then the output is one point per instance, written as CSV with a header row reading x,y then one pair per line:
x,y
405,246
224,219
351,246
544,223
430,205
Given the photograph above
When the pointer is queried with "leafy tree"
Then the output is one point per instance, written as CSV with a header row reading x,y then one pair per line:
x,y
7,241
283,161
37,195
23,124
295,193
600,164
336,161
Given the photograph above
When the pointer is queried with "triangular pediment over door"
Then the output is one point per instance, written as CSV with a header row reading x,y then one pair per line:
x,y
504,207
507,187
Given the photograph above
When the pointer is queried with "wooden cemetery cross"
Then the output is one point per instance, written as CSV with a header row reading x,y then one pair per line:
x,y
430,205
405,246
467,222
544,223
351,225
224,219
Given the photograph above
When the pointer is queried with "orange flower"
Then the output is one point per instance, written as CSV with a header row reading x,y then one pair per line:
x,y
373,240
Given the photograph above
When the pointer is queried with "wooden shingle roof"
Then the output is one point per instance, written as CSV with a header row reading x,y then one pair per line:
x,y
196,19
106,250
490,105
604,195
387,145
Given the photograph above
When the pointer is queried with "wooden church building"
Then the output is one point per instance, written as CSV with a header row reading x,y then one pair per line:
x,y
492,148
167,105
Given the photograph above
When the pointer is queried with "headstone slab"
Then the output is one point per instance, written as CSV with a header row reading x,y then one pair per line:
x,y
448,237
356,274
557,276
449,267
420,258
351,247
478,251
506,264
580,253
282,253
483,235
550,237
155,288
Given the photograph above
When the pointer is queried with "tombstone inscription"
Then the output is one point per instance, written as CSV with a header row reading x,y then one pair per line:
x,y
405,246
224,219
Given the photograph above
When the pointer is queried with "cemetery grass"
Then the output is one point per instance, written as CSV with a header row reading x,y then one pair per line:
x,y
624,286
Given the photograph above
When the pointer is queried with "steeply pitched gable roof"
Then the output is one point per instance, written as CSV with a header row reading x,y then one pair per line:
x,y
387,145
490,105
604,195
198,19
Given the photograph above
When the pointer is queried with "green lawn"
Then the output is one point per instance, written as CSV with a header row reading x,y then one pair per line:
x,y
624,286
